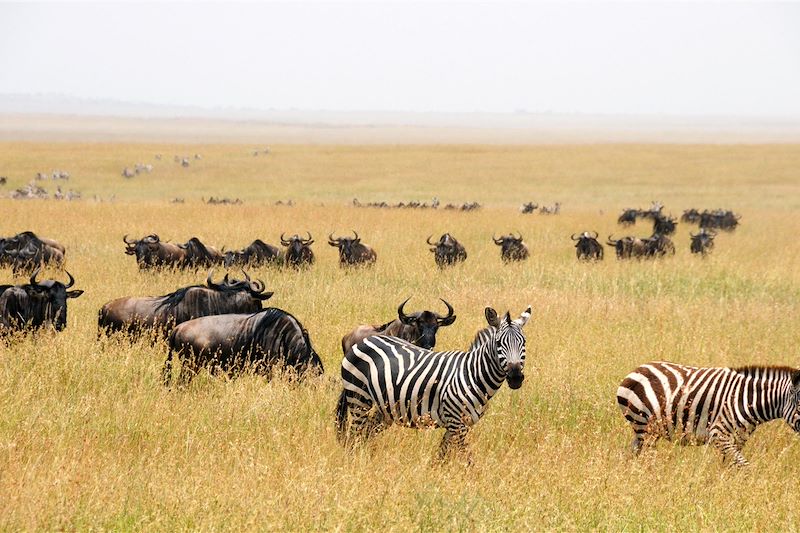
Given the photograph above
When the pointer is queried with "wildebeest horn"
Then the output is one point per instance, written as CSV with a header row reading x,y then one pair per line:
x,y
246,277
209,283
71,281
283,240
573,237
496,240
332,241
125,240
596,235
33,276
611,240
428,240
449,309
257,286
400,312
692,235
310,238
356,234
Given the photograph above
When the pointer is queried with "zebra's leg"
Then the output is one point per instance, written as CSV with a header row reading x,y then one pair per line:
x,y
454,440
729,446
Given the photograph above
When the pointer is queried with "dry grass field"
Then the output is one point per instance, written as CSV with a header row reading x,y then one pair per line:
x,y
89,438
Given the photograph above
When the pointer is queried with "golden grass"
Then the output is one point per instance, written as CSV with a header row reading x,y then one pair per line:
x,y
89,439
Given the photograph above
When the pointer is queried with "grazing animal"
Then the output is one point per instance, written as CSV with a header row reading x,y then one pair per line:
x,y
554,210
587,247
703,242
512,248
298,251
161,313
658,246
235,343
721,406
528,208
719,219
628,247
690,216
199,255
447,250
26,251
36,304
257,253
628,217
352,251
128,172
418,328
387,381
151,253
664,225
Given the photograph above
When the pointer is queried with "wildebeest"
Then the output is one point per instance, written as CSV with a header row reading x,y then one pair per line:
x,y
26,251
690,216
703,242
352,251
257,253
628,217
554,210
628,247
150,252
447,250
161,313
663,225
36,304
418,328
511,248
658,246
235,343
587,247
528,208
199,255
298,250
719,219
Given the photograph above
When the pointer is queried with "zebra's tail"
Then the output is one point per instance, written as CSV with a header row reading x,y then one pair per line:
x,y
341,416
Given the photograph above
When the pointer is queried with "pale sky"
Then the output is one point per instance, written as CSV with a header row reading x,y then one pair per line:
x,y
611,58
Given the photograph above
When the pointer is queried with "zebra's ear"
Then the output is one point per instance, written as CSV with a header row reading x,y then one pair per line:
x,y
524,317
491,317
507,318
796,379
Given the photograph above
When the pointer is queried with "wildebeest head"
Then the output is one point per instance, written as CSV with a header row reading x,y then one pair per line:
x,y
346,245
511,248
447,250
48,301
509,341
141,248
587,246
664,225
702,242
298,249
425,324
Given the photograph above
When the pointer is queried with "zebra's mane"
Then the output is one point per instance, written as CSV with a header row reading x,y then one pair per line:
x,y
751,370
482,337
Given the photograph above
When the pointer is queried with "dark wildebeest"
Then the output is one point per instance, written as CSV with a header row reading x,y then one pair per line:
x,y
298,251
664,225
587,247
528,208
628,247
235,343
658,246
447,250
418,328
703,242
256,254
511,248
628,217
26,252
150,252
35,304
690,216
161,313
199,255
352,252
719,219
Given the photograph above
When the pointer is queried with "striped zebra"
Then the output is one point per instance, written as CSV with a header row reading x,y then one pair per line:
x,y
390,381
721,406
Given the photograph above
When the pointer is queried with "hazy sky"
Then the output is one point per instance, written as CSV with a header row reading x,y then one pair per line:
x,y
643,58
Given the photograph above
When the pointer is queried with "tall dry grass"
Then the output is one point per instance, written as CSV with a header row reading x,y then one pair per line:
x,y
89,439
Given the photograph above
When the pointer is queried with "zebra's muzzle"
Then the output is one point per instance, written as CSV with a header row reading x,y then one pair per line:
x,y
514,376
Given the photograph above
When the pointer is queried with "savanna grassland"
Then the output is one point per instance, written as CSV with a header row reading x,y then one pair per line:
x,y
90,439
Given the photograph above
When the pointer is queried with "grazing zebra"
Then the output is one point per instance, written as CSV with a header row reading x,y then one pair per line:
x,y
388,380
722,406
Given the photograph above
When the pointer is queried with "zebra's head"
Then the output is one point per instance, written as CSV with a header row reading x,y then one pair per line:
x,y
509,343
791,411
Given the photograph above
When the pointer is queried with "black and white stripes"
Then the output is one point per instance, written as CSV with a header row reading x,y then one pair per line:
x,y
389,381
721,406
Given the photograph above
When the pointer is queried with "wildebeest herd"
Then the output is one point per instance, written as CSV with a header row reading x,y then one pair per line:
x,y
390,373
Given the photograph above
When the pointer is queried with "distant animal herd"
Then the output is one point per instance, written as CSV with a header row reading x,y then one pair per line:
x,y
390,371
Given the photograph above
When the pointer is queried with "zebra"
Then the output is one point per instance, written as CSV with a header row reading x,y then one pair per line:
x,y
388,380
721,406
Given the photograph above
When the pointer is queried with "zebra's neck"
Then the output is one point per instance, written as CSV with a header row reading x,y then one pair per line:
x,y
481,363
763,393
